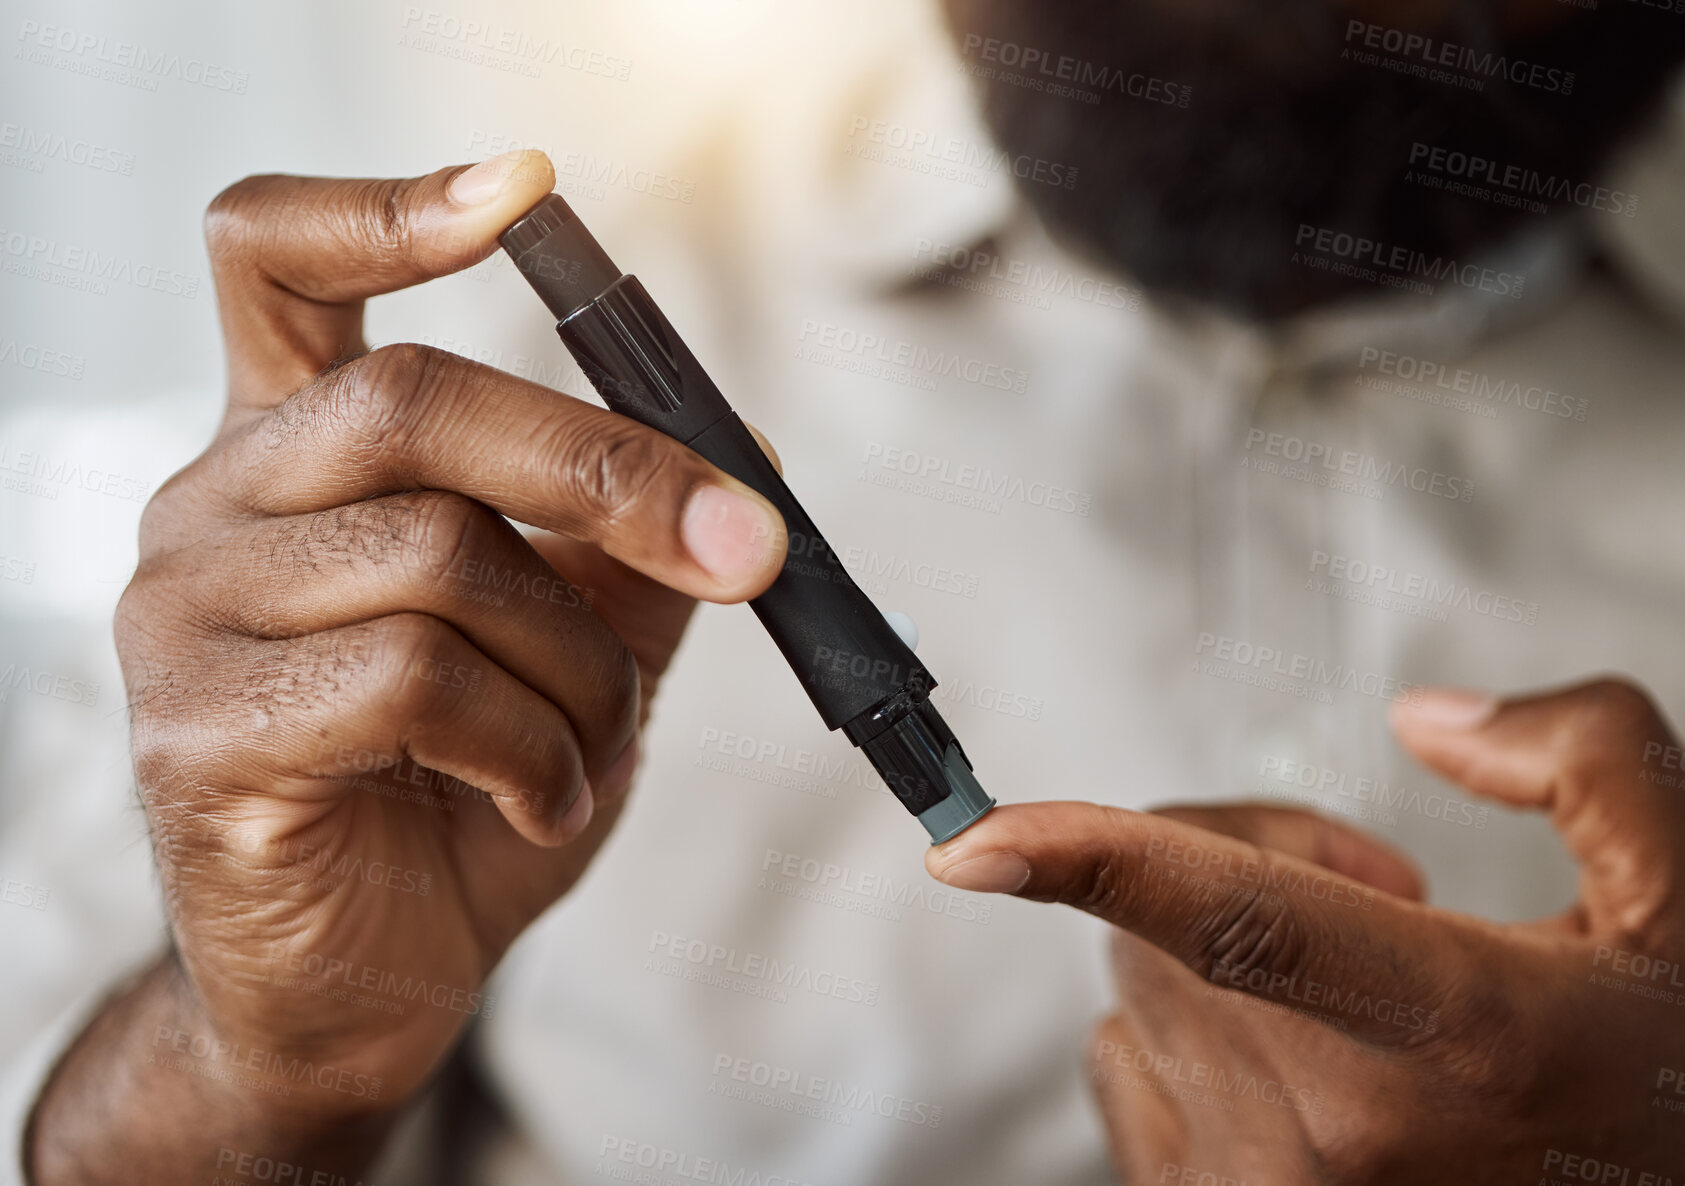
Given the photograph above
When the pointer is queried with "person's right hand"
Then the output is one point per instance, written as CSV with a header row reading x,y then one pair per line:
x,y
376,730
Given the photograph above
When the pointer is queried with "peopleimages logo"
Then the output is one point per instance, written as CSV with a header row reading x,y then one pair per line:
x,y
787,1089
509,50
1322,784
751,973
1424,374
1354,574
1257,875
1204,1082
829,883
122,62
875,571
42,359
831,341
1312,456
1395,265
1062,75
85,269
1241,661
32,144
1672,759
20,677
1172,1174
950,481
626,1159
953,157
1575,1167
214,1058
1316,995
370,987
978,269
1433,58
250,1168
1638,974
1521,181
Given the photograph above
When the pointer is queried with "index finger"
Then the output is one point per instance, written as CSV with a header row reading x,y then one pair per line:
x,y
294,258
1241,916
408,418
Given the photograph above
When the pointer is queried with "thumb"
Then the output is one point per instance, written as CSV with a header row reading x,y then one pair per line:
x,y
1596,757
294,258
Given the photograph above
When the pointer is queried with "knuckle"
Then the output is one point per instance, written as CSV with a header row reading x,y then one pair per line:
x,y
400,650
161,753
233,215
628,685
137,618
557,751
128,623
1610,717
1481,1033
158,673
608,470
618,693
1359,1150
162,515
377,214
1105,1041
1256,933
1103,889
1616,701
371,398
401,640
442,528
183,507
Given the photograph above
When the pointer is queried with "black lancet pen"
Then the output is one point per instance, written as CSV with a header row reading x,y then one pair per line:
x,y
858,672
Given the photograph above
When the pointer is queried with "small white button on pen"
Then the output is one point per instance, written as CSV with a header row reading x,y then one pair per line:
x,y
903,625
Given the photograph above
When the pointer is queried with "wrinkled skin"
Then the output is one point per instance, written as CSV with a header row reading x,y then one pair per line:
x,y
1290,1013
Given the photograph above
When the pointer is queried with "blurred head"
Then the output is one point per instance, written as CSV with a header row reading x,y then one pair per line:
x,y
1337,115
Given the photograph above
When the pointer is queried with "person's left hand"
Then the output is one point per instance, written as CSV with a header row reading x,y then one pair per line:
x,y
1292,1013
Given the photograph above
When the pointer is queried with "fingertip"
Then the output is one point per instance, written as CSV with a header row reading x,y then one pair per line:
x,y
534,174
935,861
1443,709
477,203
989,873
981,837
518,178
998,854
736,537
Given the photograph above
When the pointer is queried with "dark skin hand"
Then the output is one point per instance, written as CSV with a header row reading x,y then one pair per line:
x,y
1291,1013
376,729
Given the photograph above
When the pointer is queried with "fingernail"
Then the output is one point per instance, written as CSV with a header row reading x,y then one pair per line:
x,y
1449,708
729,534
992,873
481,184
618,776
